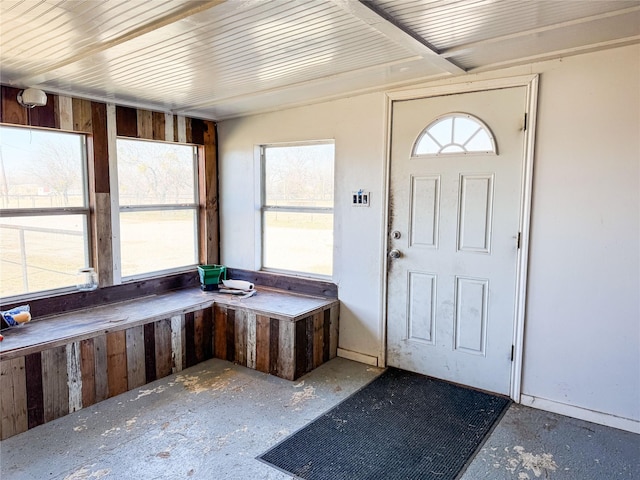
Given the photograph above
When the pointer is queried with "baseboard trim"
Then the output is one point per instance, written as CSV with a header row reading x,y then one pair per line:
x,y
358,357
600,418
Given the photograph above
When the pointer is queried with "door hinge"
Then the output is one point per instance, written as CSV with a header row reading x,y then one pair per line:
x,y
524,128
518,240
513,352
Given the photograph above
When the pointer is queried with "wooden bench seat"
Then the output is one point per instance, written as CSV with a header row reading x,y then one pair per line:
x,y
62,363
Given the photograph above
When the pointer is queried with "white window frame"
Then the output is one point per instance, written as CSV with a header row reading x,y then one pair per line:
x,y
482,127
115,192
56,211
263,208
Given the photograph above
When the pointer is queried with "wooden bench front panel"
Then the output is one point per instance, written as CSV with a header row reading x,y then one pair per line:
x,y
39,387
42,386
285,348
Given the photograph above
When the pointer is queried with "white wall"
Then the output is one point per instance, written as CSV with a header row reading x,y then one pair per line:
x,y
583,308
357,125
582,337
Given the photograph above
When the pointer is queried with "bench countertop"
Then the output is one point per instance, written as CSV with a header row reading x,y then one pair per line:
x,y
56,330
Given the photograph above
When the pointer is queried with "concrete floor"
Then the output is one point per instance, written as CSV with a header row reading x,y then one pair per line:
x,y
212,420
528,444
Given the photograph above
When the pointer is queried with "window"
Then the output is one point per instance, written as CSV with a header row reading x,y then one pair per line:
x,y
44,210
297,208
158,198
455,133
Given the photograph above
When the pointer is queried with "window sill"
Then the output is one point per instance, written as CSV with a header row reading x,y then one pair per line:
x,y
62,301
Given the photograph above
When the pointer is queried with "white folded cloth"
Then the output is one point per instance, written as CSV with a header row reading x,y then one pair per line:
x,y
238,284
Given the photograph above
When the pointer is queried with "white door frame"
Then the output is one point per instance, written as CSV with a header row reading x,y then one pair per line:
x,y
531,83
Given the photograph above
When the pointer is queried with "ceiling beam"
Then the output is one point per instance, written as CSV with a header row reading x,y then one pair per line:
x,y
390,28
541,57
47,73
464,48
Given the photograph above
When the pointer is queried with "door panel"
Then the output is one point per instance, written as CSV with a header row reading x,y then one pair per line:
x,y
451,293
474,217
422,302
425,211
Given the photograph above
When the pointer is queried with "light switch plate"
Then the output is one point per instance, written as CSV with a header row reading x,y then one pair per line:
x,y
360,198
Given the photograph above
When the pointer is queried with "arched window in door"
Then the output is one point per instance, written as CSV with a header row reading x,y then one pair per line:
x,y
456,134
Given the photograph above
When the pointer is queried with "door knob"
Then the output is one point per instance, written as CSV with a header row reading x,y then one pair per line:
x,y
395,253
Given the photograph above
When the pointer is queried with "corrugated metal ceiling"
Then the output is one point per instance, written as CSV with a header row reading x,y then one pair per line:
x,y
217,59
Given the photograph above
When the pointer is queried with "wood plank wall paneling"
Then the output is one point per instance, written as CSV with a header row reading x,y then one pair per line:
x,y
100,147
11,111
45,385
101,367
189,332
208,167
231,335
220,332
158,130
35,396
89,117
318,337
285,282
55,380
7,414
176,128
13,397
188,137
251,339
46,116
183,341
326,333
274,344
334,320
263,330
207,339
88,371
163,353
168,128
310,328
150,365
286,350
82,118
202,340
198,128
145,124
102,242
117,363
177,328
301,344
240,340
280,347
65,112
136,368
74,374
203,328
19,394
126,121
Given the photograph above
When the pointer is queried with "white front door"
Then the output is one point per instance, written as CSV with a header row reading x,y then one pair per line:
x,y
454,219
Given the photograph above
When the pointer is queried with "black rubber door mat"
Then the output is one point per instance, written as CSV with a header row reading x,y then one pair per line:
x,y
401,426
